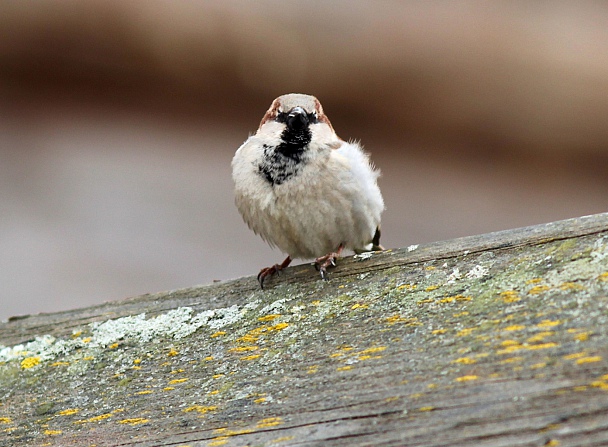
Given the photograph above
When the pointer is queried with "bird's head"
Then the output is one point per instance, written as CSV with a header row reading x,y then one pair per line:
x,y
298,118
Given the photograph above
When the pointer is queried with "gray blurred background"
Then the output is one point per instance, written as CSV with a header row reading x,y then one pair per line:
x,y
118,121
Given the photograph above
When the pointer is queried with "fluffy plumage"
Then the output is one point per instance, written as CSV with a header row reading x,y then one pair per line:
x,y
303,189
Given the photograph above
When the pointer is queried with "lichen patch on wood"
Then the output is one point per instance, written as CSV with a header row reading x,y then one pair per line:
x,y
489,340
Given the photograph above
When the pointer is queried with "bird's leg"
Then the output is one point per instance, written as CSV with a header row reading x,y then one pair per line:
x,y
322,262
269,271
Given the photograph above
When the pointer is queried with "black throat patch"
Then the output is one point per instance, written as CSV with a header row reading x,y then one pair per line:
x,y
282,162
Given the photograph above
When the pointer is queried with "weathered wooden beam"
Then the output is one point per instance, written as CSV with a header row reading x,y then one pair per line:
x,y
492,340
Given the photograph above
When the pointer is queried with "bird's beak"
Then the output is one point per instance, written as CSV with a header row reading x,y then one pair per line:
x,y
297,119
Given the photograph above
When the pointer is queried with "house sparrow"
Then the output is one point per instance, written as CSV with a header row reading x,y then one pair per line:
x,y
305,190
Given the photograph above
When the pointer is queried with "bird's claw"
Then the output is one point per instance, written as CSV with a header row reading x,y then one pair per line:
x,y
323,262
265,272
269,271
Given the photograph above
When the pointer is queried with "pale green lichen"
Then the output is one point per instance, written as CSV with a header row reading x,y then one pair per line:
x,y
176,324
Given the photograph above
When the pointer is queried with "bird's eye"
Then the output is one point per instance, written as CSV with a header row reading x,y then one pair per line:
x,y
281,117
312,118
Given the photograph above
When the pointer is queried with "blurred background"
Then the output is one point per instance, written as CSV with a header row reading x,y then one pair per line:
x,y
118,122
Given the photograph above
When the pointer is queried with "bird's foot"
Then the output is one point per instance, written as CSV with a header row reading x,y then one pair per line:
x,y
269,271
323,262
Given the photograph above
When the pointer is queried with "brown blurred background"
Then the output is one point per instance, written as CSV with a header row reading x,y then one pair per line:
x,y
118,121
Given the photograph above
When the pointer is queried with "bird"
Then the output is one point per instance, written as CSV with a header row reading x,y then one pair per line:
x,y
305,190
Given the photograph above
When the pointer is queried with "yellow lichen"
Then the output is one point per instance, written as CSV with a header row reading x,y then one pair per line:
x,y
540,336
60,363
571,286
344,368
201,409
30,362
427,408
224,432
253,335
259,400
431,288
509,349
583,336
359,306
281,439
113,346
465,361
174,381
134,421
243,349
512,360
269,422
592,359
576,355
466,378
542,346
248,338
312,369
510,296
68,412
5,420
538,289
278,327
465,332
99,418
250,357
515,327
548,323
218,334
172,352
439,331
372,350
269,317
144,392
52,432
